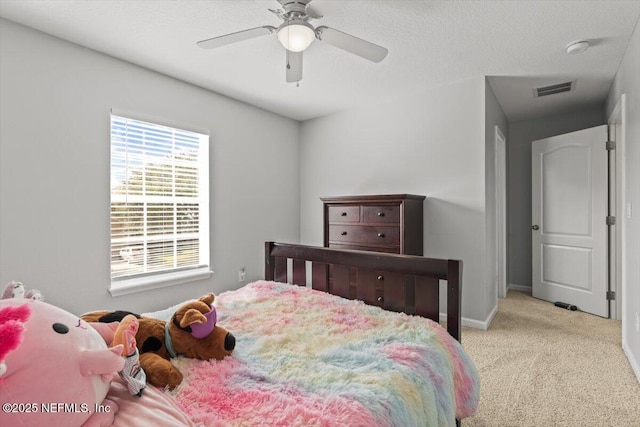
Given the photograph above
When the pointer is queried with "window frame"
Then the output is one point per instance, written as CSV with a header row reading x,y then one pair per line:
x,y
138,282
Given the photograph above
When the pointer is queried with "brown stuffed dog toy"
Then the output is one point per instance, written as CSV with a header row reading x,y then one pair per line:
x,y
191,332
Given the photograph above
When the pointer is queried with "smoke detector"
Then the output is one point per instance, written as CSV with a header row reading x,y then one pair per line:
x,y
577,46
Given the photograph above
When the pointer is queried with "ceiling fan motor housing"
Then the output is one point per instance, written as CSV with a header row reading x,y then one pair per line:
x,y
298,6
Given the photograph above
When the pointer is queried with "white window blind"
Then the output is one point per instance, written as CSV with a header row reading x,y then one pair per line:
x,y
159,199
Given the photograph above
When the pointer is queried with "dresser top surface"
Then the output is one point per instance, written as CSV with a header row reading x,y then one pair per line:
x,y
371,197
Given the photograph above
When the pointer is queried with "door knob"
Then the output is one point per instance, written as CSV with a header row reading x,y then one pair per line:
x,y
535,227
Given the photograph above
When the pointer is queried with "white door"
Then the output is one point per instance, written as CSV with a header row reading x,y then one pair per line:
x,y
569,210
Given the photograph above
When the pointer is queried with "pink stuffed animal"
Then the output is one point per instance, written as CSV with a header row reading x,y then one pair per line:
x,y
15,289
60,374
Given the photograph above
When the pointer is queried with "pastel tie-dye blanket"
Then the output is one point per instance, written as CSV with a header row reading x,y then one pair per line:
x,y
307,358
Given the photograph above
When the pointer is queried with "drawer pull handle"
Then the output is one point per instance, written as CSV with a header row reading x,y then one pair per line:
x,y
381,235
380,213
343,214
381,277
380,299
344,233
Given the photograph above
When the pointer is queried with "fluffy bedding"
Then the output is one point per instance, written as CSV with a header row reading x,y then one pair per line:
x,y
308,358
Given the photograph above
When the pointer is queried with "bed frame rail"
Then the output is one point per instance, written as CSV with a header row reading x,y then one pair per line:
x,y
403,283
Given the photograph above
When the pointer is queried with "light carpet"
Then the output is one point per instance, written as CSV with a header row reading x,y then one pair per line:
x,y
541,365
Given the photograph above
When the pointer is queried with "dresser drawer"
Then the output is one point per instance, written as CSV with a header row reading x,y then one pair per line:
x,y
344,213
381,214
389,249
381,235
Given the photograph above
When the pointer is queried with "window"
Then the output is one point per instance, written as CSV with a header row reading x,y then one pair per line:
x,y
159,205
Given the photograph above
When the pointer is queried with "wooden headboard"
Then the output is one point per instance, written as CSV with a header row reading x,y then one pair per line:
x,y
403,283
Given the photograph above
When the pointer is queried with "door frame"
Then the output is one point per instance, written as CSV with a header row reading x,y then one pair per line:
x,y
500,164
617,256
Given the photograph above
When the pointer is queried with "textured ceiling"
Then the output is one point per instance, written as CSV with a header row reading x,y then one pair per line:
x,y
519,44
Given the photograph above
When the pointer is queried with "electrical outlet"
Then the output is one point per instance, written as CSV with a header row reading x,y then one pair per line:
x,y
242,275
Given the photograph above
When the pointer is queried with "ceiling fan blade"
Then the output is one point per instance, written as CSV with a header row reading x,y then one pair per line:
x,y
312,13
294,66
236,37
351,44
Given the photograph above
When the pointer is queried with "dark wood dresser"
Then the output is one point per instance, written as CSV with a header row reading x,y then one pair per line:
x,y
382,223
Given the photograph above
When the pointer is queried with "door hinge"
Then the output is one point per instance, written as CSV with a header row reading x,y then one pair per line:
x,y
610,145
611,295
611,220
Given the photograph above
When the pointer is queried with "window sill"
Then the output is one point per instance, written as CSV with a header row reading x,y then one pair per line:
x,y
141,284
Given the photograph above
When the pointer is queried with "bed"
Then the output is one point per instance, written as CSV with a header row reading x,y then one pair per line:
x,y
330,337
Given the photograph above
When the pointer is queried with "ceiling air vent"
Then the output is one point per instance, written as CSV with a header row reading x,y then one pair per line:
x,y
553,89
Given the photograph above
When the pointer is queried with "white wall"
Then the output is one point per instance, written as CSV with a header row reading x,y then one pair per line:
x,y
519,139
494,116
430,143
54,171
627,81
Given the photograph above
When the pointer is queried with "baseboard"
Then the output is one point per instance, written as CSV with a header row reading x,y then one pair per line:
x,y
632,360
473,323
521,288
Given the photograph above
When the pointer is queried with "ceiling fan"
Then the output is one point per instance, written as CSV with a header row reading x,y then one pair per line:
x,y
296,34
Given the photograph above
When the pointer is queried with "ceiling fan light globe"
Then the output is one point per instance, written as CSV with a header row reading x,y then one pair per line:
x,y
296,37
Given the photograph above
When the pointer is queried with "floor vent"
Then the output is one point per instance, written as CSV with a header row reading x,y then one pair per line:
x,y
553,89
